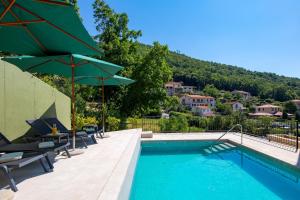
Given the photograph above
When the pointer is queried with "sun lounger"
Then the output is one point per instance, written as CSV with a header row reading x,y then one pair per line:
x,y
43,126
8,147
93,129
62,128
7,167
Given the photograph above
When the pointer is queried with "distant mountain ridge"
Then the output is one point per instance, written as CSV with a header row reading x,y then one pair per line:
x,y
227,77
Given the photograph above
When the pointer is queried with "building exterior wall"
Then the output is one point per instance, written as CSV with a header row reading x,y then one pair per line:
x,y
237,106
23,96
194,102
270,110
201,111
188,89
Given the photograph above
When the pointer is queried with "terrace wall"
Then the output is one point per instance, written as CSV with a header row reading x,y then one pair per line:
x,y
23,96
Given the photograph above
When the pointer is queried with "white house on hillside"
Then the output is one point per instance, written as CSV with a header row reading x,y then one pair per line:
x,y
237,106
197,100
188,89
267,110
173,87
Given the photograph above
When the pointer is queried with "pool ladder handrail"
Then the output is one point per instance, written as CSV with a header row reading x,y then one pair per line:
x,y
237,125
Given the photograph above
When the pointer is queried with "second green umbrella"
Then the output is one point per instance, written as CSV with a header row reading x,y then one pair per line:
x,y
98,81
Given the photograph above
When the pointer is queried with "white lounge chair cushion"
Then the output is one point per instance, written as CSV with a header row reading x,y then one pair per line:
x,y
43,145
11,157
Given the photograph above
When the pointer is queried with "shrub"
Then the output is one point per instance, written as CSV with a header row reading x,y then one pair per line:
x,y
81,121
132,122
174,124
113,123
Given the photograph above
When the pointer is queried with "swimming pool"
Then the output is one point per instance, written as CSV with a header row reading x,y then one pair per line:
x,y
210,170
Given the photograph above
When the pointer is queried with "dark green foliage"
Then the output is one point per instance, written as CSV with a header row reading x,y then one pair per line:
x,y
224,109
285,115
227,77
174,124
211,90
148,92
297,116
290,107
150,71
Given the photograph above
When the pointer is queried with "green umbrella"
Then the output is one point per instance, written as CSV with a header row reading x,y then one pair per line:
x,y
43,27
62,65
99,81
68,66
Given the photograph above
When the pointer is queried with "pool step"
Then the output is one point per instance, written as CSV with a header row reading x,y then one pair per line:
x,y
218,148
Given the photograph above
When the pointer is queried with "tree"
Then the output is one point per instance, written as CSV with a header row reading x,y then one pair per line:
x,y
211,90
297,116
150,75
282,94
120,47
290,107
75,4
223,108
115,38
285,115
227,96
172,103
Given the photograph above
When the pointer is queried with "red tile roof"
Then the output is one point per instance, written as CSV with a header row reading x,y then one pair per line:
x,y
199,97
267,106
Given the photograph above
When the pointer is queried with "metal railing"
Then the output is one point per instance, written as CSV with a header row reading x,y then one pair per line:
x,y
232,128
282,134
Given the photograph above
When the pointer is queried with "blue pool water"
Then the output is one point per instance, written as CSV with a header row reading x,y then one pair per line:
x,y
193,170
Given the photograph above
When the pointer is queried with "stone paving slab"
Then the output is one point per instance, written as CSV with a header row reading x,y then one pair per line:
x,y
83,177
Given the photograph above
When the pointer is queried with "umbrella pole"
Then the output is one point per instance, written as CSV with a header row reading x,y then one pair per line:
x,y
103,117
73,107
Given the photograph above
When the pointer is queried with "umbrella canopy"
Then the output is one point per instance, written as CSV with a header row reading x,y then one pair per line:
x,y
62,65
97,81
43,27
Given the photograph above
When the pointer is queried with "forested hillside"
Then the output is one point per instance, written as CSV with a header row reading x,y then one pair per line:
x,y
226,77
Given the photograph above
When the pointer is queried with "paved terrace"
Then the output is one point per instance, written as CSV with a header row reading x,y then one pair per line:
x,y
98,174
268,148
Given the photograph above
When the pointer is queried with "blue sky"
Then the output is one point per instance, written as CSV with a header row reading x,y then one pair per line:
x,y
260,35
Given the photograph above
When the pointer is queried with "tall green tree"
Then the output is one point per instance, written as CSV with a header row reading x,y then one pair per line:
x,y
211,90
114,37
150,75
75,3
120,46
290,107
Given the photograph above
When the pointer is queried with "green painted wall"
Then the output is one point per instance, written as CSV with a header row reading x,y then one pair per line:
x,y
23,96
